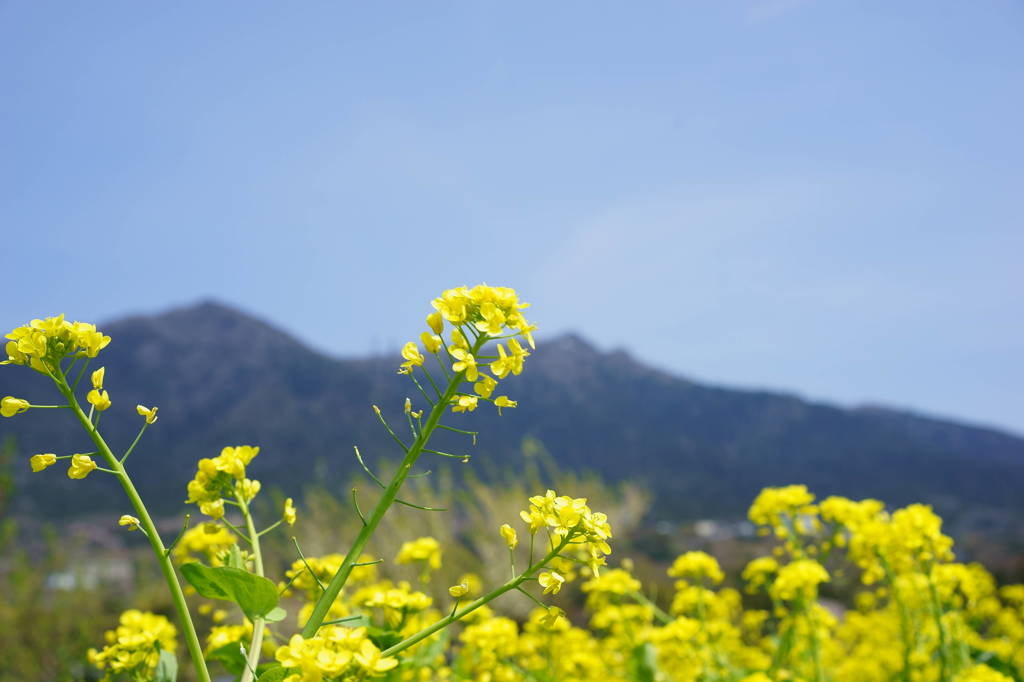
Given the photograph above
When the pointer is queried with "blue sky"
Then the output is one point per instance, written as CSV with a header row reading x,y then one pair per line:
x,y
821,197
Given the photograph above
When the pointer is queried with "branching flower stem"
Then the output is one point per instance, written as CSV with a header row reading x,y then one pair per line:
x,y
195,650
370,524
512,584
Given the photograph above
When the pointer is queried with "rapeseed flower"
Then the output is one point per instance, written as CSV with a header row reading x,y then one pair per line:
x,y
134,647
40,462
11,406
148,412
81,466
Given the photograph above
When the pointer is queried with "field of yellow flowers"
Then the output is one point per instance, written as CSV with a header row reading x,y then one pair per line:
x,y
918,616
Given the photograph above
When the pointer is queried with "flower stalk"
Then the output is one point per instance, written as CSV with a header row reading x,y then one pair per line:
x,y
370,524
195,650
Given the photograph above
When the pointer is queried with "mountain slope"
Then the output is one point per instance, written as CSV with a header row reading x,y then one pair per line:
x,y
222,378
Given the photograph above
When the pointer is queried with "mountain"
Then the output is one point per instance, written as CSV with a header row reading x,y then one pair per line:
x,y
221,377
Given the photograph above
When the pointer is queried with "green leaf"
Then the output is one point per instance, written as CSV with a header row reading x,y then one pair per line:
x,y
273,674
275,614
166,668
383,639
643,663
255,595
230,656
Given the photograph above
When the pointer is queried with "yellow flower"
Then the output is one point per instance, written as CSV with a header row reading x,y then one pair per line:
x,y
459,340
435,322
465,363
129,521
11,406
459,591
465,403
503,401
97,378
148,412
552,617
485,387
289,512
81,466
492,319
40,462
369,657
98,399
412,355
551,582
509,534
213,509
432,342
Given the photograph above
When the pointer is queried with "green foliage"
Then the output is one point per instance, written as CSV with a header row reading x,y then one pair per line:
x,y
255,595
166,668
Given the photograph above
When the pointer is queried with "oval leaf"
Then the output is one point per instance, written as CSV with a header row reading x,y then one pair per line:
x,y
254,594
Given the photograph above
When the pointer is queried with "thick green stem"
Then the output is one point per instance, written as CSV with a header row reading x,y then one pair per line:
x,y
256,644
195,650
476,603
323,604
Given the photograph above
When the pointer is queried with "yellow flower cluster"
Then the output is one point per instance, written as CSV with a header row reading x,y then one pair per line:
x,y
393,602
799,580
134,647
335,654
698,567
207,542
610,587
786,510
477,316
220,476
42,344
570,518
704,631
426,550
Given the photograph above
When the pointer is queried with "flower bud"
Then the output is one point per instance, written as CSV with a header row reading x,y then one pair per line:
x,y
81,466
128,521
148,412
40,462
11,406
509,534
435,322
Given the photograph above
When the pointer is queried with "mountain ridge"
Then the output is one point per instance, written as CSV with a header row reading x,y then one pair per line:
x,y
224,377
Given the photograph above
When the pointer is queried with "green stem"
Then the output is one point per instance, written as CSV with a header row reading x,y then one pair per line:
x,y
812,629
256,644
195,650
943,637
477,603
323,604
658,612
904,617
